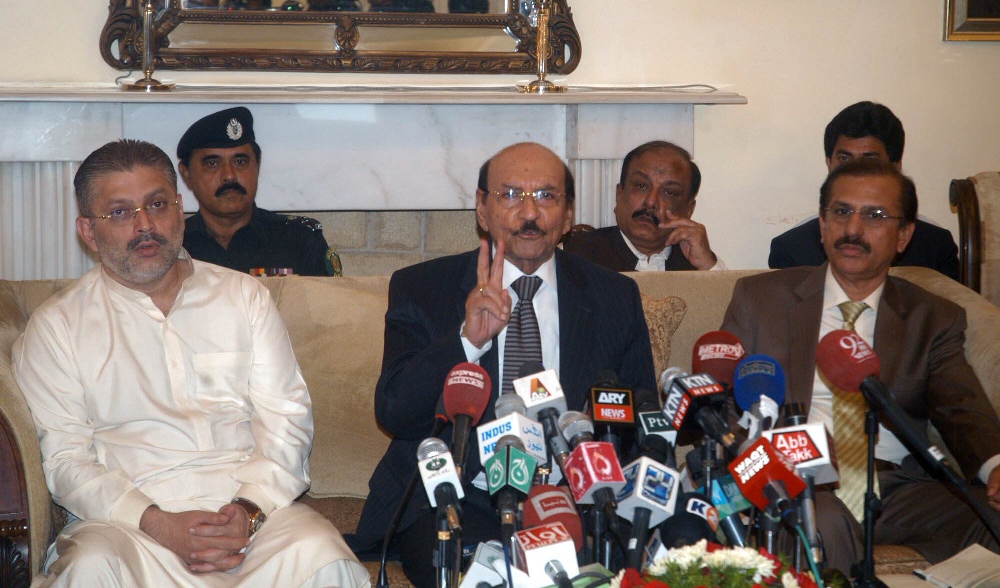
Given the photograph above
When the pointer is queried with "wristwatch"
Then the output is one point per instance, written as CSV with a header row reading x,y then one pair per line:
x,y
257,516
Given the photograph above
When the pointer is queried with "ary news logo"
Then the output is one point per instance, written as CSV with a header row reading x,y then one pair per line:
x,y
856,347
733,351
612,405
797,446
752,464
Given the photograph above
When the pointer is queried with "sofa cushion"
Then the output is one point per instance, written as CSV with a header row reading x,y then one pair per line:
x,y
663,316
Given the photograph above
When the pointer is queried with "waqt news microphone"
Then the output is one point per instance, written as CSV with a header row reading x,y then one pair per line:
x,y
717,353
466,393
759,391
767,478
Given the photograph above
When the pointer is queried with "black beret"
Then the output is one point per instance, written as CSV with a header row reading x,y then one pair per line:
x,y
227,128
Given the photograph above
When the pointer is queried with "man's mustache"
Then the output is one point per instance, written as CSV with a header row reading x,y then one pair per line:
x,y
528,226
143,238
647,212
852,240
234,185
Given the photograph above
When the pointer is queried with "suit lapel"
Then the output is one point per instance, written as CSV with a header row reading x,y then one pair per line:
x,y
803,333
575,316
624,260
889,328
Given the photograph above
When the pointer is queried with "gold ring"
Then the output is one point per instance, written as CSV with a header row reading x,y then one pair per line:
x,y
480,290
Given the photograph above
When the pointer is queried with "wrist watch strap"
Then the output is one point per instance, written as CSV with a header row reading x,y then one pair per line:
x,y
257,516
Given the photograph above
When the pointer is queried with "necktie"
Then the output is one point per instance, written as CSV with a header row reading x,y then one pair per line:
x,y
849,433
524,341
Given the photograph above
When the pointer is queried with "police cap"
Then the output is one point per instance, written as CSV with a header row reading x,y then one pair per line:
x,y
227,128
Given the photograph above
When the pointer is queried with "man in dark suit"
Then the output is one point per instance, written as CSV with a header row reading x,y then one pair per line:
x,y
654,201
867,212
866,129
456,309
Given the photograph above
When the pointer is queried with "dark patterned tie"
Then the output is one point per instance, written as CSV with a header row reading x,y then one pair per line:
x,y
849,433
524,341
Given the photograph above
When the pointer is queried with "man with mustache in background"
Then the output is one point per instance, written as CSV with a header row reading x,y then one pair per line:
x,y
654,202
219,161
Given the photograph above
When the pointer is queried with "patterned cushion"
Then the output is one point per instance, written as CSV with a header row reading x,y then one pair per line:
x,y
663,316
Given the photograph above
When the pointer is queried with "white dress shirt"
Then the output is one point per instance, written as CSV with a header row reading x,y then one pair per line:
x,y
657,262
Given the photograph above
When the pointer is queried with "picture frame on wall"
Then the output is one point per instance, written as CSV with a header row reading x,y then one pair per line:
x,y
972,20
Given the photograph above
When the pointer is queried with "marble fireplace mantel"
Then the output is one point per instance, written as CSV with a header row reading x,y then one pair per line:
x,y
355,147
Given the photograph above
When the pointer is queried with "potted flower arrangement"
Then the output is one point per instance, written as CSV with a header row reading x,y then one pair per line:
x,y
708,565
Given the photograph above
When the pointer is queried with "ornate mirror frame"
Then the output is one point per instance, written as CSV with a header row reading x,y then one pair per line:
x,y
122,43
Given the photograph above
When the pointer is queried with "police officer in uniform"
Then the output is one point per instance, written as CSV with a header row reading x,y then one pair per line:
x,y
219,161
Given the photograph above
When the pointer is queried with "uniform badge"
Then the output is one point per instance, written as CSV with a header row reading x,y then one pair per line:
x,y
234,129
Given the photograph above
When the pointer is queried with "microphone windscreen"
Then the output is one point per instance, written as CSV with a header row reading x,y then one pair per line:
x,y
606,377
466,391
717,353
646,400
550,504
758,375
694,519
530,367
844,359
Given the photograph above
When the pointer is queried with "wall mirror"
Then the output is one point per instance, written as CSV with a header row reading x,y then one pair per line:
x,y
394,36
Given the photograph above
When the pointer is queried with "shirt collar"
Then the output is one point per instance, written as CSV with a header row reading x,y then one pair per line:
x,y
546,271
833,294
663,254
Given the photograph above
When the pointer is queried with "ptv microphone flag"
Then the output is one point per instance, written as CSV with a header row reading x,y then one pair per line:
x,y
810,448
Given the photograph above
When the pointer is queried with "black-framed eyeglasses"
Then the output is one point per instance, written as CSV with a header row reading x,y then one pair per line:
x,y
512,197
871,216
122,214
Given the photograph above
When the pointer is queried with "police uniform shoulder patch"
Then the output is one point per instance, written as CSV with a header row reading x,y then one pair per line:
x,y
309,223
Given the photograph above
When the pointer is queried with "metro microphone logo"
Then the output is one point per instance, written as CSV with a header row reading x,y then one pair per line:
x,y
709,351
612,406
797,446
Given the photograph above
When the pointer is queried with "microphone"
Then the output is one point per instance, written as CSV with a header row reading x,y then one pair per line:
x,y
553,504
766,477
694,519
547,554
729,503
466,392
693,403
508,476
717,353
592,467
529,432
810,448
438,472
648,498
611,407
759,389
480,570
544,399
846,361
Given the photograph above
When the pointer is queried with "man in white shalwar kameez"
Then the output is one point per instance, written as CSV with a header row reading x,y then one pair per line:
x,y
173,420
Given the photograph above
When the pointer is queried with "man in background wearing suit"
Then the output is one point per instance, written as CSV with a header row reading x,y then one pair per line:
x,y
456,309
654,202
866,129
867,211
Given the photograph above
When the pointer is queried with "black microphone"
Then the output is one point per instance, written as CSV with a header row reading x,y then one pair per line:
x,y
694,519
693,403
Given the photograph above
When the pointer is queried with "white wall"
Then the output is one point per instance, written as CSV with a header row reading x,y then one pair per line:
x,y
797,61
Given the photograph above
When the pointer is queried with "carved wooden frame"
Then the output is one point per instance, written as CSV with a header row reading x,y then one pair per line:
x,y
959,26
123,31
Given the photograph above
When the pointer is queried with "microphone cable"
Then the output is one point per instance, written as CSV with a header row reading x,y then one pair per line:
x,y
812,565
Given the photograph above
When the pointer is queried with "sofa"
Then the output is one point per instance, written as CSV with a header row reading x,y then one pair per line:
x,y
336,327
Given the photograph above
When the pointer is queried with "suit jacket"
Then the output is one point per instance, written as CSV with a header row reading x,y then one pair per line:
x,y
607,247
601,326
931,246
919,340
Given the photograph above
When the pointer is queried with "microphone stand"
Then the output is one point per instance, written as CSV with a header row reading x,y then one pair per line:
x,y
867,579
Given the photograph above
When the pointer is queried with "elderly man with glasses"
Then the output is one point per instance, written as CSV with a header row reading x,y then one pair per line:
x,y
467,308
867,213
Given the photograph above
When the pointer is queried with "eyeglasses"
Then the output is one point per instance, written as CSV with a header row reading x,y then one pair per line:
x,y
121,215
871,216
514,197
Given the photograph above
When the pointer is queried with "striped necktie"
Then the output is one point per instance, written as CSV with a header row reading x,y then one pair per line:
x,y
849,433
524,340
